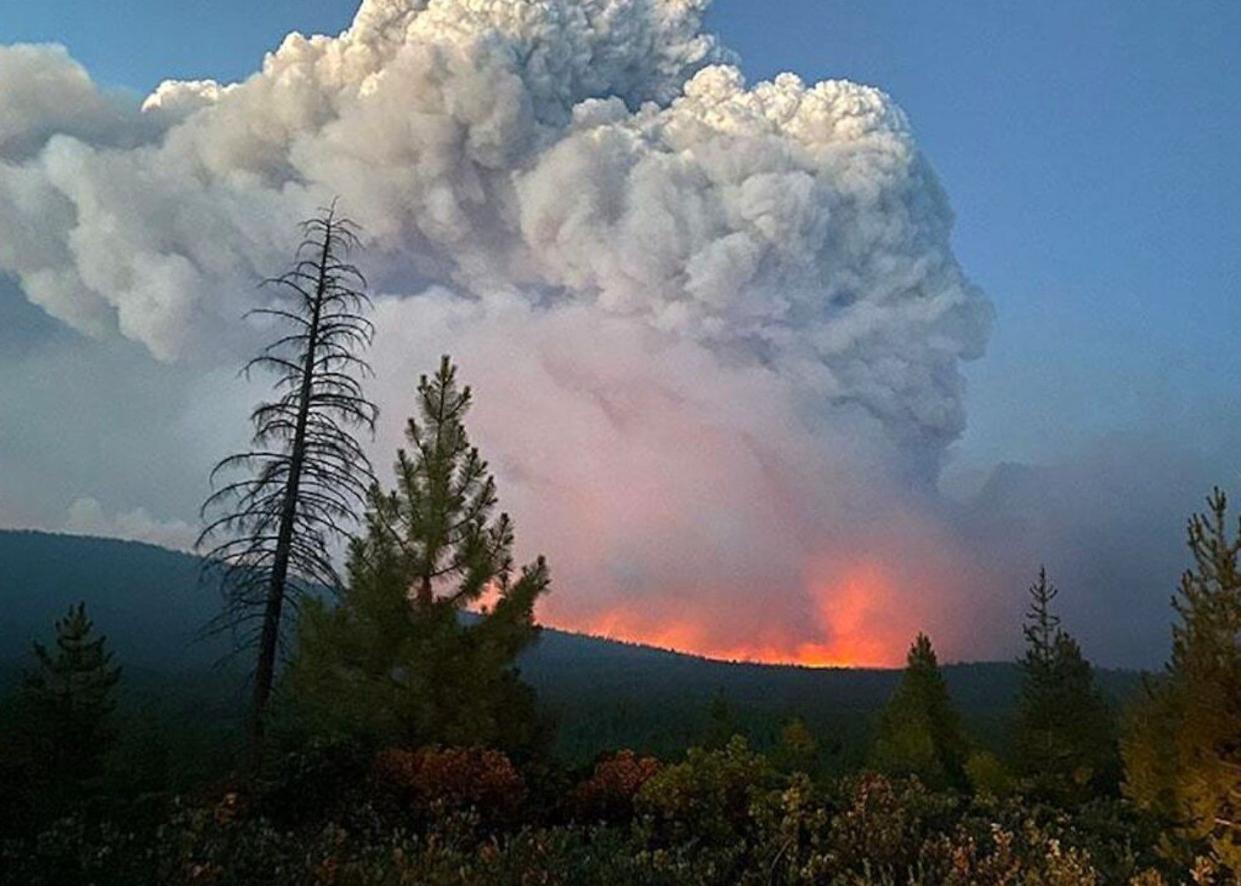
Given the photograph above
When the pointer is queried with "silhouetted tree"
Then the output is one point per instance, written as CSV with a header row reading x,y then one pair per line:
x,y
721,724
270,534
919,730
1064,738
1182,752
59,734
398,660
1042,625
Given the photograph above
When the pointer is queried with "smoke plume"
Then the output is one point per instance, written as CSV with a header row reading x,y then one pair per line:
x,y
715,330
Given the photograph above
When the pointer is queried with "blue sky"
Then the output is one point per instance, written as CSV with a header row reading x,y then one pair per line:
x,y
1090,150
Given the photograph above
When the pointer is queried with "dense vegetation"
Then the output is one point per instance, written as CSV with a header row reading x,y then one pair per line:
x,y
404,743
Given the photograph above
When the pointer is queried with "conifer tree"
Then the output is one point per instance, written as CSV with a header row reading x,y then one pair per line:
x,y
1064,741
1042,625
1183,750
269,535
920,731
398,660
61,732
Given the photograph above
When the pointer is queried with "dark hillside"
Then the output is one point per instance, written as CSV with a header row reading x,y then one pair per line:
x,y
604,693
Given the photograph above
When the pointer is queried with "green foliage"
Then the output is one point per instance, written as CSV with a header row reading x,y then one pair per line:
x,y
797,749
1065,737
397,661
58,733
721,722
919,731
1183,749
720,817
987,775
708,797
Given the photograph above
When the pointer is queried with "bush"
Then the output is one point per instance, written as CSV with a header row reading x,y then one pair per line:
x,y
718,818
434,781
608,795
314,780
882,823
987,775
709,796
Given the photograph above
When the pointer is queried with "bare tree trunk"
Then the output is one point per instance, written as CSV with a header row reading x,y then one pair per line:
x,y
268,535
269,641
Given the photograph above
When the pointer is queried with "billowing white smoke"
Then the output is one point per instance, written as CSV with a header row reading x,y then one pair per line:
x,y
715,331
87,517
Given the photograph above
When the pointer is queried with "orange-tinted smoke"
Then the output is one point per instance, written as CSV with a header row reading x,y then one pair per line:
x,y
858,620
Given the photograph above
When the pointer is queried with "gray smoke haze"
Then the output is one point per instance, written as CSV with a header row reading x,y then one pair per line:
x,y
716,331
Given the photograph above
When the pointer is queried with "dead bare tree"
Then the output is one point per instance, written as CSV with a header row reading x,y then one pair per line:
x,y
269,535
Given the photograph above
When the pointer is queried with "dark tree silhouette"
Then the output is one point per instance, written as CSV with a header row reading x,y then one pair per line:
x,y
721,724
56,733
269,535
1064,740
1042,625
920,731
73,690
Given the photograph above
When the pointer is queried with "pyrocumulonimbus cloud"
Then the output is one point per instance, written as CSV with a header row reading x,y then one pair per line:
x,y
715,331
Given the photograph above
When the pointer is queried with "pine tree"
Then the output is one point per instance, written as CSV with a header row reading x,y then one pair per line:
x,y
1064,741
61,733
1042,626
271,533
398,660
919,731
1182,752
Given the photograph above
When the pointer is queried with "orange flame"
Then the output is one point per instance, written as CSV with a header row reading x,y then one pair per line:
x,y
856,621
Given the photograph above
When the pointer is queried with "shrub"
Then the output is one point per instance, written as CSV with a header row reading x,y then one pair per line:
x,y
437,780
987,775
316,779
882,824
608,795
709,796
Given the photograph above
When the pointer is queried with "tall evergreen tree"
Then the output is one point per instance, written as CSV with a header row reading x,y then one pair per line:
x,y
920,731
1183,750
60,732
1064,737
270,534
398,660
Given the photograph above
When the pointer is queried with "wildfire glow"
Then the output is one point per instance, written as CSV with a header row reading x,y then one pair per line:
x,y
858,622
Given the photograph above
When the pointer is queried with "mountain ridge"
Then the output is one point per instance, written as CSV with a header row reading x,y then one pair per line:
x,y
604,692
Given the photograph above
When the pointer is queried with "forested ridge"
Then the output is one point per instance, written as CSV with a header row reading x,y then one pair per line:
x,y
604,693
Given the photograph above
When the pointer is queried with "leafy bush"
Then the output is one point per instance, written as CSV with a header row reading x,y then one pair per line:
x,y
708,797
987,775
608,795
882,823
438,780
719,818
